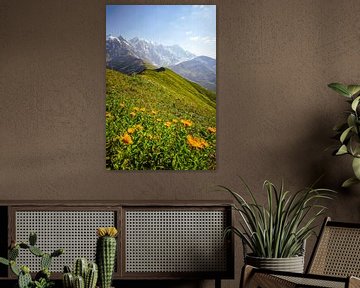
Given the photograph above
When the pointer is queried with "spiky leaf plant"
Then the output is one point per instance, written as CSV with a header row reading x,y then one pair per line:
x,y
279,229
348,132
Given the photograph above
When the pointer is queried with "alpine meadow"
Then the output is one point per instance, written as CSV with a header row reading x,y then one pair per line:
x,y
161,87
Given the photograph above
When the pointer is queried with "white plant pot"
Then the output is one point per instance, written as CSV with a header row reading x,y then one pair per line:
x,y
291,264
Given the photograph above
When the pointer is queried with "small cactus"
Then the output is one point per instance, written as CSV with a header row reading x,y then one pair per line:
x,y
79,282
67,278
89,272
32,238
14,268
23,273
91,276
13,253
24,280
45,261
80,268
36,251
57,252
44,273
106,254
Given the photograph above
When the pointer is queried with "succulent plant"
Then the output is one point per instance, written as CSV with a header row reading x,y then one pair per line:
x,y
85,275
106,254
42,278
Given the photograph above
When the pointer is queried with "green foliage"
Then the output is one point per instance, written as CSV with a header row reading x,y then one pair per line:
x,y
4,261
42,278
43,283
145,127
279,229
348,132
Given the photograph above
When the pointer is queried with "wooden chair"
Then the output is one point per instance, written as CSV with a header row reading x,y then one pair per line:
x,y
334,263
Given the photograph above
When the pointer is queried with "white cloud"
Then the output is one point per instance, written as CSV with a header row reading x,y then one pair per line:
x,y
182,18
188,32
194,38
204,39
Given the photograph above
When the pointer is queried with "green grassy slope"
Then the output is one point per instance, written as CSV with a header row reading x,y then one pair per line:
x,y
159,120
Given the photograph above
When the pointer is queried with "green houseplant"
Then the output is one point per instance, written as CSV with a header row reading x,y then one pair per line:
x,y
275,233
348,132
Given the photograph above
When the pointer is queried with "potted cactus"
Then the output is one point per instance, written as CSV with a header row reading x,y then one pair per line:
x,y
85,275
42,278
106,254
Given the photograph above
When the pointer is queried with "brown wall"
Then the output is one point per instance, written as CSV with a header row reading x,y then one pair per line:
x,y
275,113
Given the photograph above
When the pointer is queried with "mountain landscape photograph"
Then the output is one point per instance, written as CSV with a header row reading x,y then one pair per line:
x,y
160,87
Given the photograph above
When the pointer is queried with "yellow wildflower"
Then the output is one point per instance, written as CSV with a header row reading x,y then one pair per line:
x,y
196,142
122,105
132,114
106,231
142,109
158,119
175,120
154,112
126,139
139,127
109,115
168,124
187,123
136,109
211,129
131,130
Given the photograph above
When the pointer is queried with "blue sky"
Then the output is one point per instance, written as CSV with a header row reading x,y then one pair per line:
x,y
193,27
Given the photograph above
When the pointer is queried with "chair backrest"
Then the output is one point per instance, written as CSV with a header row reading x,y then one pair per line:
x,y
337,251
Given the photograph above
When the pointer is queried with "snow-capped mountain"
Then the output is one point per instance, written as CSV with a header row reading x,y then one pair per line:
x,y
135,55
201,70
120,56
120,52
158,54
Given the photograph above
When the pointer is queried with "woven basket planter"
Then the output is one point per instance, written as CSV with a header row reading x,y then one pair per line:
x,y
291,264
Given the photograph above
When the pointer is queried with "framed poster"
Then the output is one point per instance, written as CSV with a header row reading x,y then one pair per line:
x,y
161,87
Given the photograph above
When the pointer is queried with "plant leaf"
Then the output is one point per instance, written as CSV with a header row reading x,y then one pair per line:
x,y
355,103
349,182
353,89
342,150
356,167
351,120
345,134
4,261
340,88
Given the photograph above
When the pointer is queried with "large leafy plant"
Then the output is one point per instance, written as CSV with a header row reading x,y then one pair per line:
x,y
279,229
348,132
